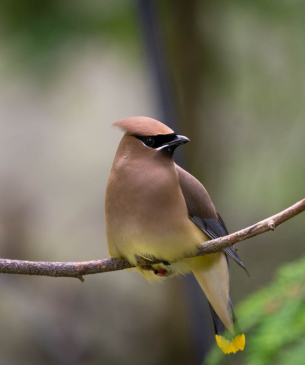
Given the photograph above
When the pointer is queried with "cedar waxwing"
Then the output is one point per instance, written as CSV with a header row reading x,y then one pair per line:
x,y
155,210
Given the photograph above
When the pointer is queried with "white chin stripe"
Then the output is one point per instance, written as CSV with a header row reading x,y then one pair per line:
x,y
157,149
160,148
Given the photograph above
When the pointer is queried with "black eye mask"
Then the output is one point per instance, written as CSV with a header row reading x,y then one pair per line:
x,y
158,141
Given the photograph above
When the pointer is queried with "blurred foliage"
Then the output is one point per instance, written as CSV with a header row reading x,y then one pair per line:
x,y
274,321
37,30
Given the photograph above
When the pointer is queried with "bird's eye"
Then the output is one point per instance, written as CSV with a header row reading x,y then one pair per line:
x,y
149,141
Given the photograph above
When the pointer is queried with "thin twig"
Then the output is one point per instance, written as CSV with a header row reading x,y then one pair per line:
x,y
79,269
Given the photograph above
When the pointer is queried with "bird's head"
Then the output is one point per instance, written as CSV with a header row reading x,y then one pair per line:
x,y
150,133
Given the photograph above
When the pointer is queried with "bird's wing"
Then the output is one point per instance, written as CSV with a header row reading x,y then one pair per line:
x,y
202,211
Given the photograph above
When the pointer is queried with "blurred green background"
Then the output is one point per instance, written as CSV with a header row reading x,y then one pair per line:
x,y
236,75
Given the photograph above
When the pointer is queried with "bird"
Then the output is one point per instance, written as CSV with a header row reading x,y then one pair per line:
x,y
157,215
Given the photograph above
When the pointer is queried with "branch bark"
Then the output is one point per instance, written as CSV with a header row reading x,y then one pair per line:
x,y
79,269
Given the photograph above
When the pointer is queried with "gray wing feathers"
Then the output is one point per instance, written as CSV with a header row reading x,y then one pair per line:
x,y
202,211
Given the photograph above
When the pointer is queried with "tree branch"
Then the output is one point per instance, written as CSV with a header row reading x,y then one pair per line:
x,y
78,269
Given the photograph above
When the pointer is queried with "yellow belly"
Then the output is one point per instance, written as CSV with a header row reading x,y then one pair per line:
x,y
171,247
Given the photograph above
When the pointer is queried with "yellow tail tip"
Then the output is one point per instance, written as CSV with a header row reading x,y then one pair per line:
x,y
227,346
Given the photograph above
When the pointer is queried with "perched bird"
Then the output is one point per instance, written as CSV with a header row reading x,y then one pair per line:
x,y
155,210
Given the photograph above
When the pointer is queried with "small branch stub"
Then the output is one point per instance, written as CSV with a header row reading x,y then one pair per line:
x,y
79,269
271,225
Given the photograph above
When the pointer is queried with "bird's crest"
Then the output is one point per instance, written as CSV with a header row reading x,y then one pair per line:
x,y
142,126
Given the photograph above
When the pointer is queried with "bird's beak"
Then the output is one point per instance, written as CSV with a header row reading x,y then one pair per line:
x,y
178,140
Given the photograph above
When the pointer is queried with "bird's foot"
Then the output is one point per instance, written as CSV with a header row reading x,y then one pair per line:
x,y
150,260
146,264
160,272
148,268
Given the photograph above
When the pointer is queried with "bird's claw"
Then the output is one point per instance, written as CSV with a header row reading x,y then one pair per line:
x,y
160,272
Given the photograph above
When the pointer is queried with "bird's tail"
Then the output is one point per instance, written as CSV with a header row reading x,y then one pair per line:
x,y
227,341
212,274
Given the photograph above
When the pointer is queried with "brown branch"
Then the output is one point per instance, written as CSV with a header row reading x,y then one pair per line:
x,y
78,269
258,228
